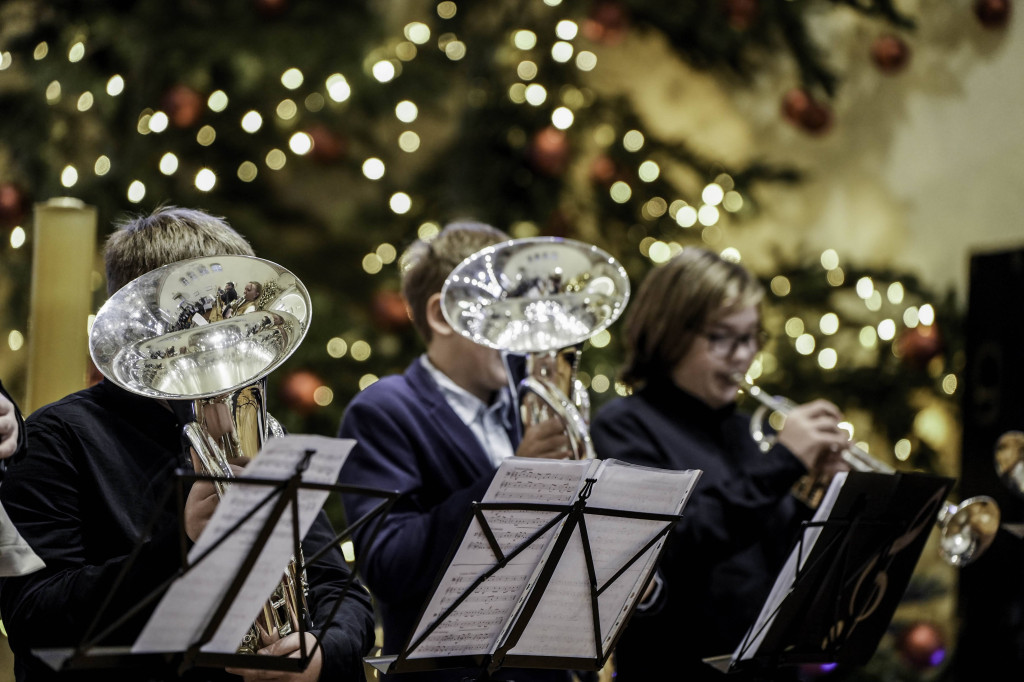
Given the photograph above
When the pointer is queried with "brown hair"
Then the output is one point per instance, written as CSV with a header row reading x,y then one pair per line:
x,y
675,302
426,264
169,234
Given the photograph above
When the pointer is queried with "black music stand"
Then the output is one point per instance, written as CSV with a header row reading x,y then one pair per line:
x,y
833,601
569,519
283,495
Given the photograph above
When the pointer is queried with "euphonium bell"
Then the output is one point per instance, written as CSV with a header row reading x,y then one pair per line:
x,y
185,334
542,297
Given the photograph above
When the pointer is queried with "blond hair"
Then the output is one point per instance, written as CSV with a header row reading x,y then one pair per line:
x,y
425,265
169,234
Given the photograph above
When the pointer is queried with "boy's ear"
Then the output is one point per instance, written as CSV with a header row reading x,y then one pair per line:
x,y
435,318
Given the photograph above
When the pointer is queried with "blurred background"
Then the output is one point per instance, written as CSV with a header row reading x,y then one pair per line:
x,y
861,156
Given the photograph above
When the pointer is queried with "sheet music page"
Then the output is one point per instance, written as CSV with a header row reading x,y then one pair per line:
x,y
187,607
787,576
474,626
563,623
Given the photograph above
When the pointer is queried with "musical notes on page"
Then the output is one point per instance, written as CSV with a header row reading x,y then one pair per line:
x,y
527,597
189,604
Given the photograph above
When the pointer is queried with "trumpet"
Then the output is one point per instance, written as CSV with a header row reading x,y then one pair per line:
x,y
965,530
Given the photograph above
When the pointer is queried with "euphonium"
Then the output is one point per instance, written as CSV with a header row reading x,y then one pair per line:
x,y
542,297
176,333
965,530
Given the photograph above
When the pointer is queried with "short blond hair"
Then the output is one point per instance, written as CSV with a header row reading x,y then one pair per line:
x,y
426,264
169,234
675,302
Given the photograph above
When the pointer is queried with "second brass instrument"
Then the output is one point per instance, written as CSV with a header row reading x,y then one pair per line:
x,y
542,297
966,530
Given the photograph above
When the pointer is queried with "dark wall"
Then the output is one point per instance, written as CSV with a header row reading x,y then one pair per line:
x,y
991,641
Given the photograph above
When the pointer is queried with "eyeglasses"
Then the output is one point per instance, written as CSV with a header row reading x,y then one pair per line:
x,y
724,344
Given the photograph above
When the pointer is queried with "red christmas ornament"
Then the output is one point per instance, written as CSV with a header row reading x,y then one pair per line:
x,y
327,146
890,53
993,13
607,22
389,310
603,171
916,346
549,151
800,109
14,205
183,106
741,14
298,390
271,8
922,645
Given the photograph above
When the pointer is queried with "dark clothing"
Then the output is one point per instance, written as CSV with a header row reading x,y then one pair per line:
x,y
737,528
98,463
410,440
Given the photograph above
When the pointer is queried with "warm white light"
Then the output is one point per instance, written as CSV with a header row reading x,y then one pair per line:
x,y
205,180
338,88
524,40
562,51
292,79
15,339
76,52
829,323
115,86
252,121
620,192
586,61
895,293
69,176
633,140
648,171
686,216
886,330
712,194
406,111
136,191
400,203
804,344
455,50
830,260
408,141
707,215
300,143
18,236
217,101
536,94
168,163
417,32
827,358
926,314
384,71
373,168
562,118
158,122
566,30
865,287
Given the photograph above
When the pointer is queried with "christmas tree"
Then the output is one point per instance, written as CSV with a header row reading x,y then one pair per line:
x,y
333,134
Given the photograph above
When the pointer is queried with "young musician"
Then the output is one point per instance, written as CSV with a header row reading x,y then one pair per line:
x,y
695,324
96,464
436,435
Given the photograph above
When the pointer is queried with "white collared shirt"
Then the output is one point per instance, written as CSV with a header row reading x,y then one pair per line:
x,y
485,421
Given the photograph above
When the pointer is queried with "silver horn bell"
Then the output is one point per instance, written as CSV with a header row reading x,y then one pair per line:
x,y
541,297
209,330
175,333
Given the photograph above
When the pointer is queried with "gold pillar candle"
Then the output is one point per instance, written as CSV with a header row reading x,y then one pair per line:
x,y
64,248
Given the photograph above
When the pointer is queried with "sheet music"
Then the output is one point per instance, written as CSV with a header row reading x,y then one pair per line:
x,y
187,607
473,628
562,625
787,576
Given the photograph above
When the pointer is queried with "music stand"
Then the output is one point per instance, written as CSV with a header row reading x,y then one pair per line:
x,y
835,597
562,543
283,496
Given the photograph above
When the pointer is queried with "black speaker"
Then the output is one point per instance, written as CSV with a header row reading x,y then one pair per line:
x,y
990,644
